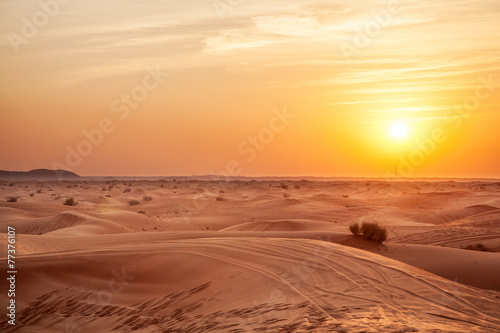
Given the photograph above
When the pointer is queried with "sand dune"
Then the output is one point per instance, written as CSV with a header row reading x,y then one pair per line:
x,y
264,257
291,285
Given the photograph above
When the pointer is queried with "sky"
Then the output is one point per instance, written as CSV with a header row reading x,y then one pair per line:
x,y
251,88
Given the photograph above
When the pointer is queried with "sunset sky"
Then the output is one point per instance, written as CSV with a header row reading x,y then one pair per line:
x,y
278,87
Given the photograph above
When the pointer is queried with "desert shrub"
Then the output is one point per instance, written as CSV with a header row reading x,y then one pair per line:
x,y
354,228
39,190
126,190
134,202
345,196
11,199
70,201
297,187
147,198
32,194
284,186
374,232
141,212
219,198
477,247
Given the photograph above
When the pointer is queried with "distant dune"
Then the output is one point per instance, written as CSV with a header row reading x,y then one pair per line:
x,y
39,174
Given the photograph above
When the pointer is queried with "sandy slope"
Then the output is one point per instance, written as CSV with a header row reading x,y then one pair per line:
x,y
262,257
245,283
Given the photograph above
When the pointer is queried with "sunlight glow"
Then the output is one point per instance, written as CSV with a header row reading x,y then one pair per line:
x,y
399,130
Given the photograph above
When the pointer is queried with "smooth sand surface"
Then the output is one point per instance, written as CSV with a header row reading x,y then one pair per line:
x,y
253,256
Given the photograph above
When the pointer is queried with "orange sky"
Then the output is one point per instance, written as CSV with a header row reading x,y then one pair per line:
x,y
251,88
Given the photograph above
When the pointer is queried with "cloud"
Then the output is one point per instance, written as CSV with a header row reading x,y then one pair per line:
x,y
264,31
287,25
233,40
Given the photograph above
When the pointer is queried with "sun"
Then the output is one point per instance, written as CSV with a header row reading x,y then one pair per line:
x,y
399,130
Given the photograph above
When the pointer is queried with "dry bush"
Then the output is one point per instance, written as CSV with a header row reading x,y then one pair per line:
x,y
147,198
374,232
70,202
11,199
354,228
477,247
134,202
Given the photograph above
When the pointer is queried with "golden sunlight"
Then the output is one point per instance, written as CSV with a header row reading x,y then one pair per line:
x,y
399,130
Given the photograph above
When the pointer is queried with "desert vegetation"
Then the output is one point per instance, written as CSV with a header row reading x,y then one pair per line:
x,y
477,247
134,202
354,228
369,231
70,202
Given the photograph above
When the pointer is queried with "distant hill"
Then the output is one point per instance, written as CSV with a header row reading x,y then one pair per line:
x,y
39,174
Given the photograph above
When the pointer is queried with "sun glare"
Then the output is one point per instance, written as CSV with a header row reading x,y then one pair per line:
x,y
399,130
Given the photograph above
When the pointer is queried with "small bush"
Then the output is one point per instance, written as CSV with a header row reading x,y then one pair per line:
x,y
32,194
477,247
126,190
134,202
219,198
39,190
374,232
147,198
11,199
70,202
284,186
354,229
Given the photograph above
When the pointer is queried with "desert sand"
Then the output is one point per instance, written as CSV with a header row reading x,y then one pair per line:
x,y
252,256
